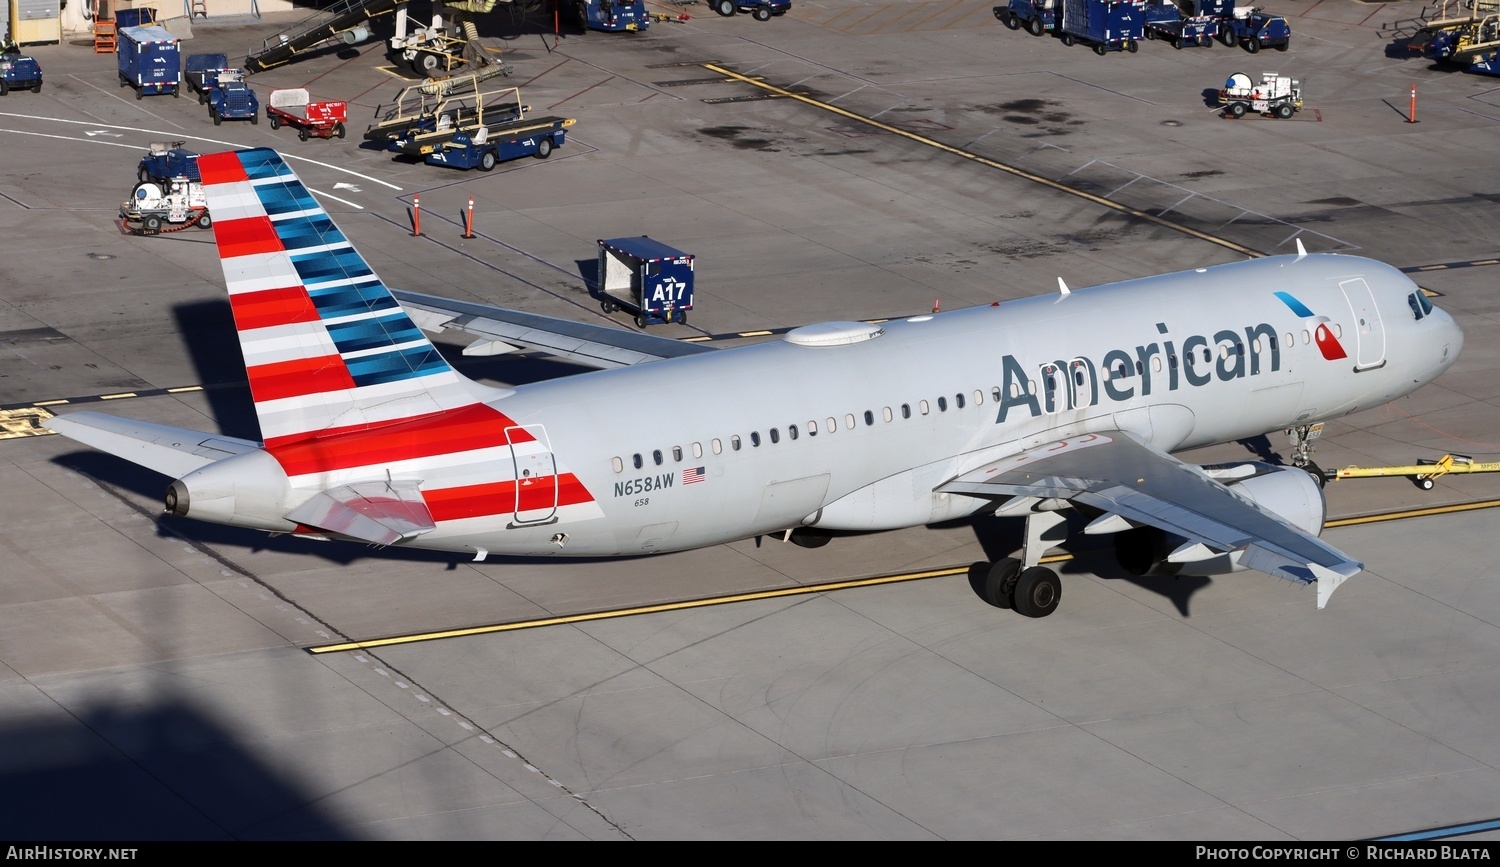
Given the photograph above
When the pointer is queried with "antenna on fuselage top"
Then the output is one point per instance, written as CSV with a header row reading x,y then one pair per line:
x,y
1062,287
1301,251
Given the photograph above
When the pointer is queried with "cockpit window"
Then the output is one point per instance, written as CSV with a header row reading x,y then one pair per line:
x,y
1416,308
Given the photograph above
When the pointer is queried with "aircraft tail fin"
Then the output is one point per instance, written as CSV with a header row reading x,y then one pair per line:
x,y
327,348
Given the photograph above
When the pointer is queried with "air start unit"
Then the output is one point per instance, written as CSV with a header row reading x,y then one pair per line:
x,y
647,278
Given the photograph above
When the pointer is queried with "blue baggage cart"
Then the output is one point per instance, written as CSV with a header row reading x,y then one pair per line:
x,y
1105,25
647,278
150,60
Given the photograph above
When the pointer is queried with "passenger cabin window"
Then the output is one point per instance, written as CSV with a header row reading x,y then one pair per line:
x,y
849,421
887,414
775,435
619,465
833,425
656,456
922,405
755,438
979,397
734,442
906,410
636,459
943,401
812,428
677,453
697,450
791,431
717,446
958,401
869,417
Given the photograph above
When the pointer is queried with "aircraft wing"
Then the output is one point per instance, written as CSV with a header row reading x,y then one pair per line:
x,y
501,330
171,451
1120,475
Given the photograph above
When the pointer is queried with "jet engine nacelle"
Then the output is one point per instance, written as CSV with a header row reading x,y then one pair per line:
x,y
247,490
1289,492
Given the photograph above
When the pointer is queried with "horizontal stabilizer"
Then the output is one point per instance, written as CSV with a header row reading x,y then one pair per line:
x,y
592,345
381,513
171,451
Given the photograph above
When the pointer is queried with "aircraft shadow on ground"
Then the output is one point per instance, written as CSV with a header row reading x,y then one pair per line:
x,y
146,771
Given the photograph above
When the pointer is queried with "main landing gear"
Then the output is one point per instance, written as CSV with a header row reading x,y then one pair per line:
x,y
1022,584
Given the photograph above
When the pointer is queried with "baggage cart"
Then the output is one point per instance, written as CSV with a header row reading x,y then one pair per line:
x,y
1104,25
149,60
291,106
647,278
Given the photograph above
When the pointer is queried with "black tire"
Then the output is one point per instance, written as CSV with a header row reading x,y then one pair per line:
x,y
142,175
1425,484
302,134
37,88
641,321
1009,19
1037,592
1035,27
338,130
426,64
1000,581
488,161
151,224
139,94
544,148
275,121
1067,39
255,120
1230,38
1252,44
581,12
218,118
1236,109
176,93
4,87
1283,111
761,13
725,8
681,317
202,97
1177,44
1101,49
608,307
1280,46
204,221
1150,34
124,82
1132,46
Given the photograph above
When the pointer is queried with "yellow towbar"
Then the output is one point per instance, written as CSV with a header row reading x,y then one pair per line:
x,y
1424,473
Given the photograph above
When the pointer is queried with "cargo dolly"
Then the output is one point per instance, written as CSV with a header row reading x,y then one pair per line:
x,y
291,106
456,115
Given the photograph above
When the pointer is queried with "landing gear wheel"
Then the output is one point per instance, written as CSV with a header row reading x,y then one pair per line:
x,y
1252,44
544,148
1034,26
151,224
761,13
1000,581
725,8
1101,49
1067,39
641,320
1283,111
1317,473
426,64
1009,19
487,161
1236,109
1037,592
810,538
302,134
205,221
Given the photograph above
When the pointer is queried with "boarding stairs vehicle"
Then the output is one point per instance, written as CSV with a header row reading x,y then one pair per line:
x,y
156,208
1274,96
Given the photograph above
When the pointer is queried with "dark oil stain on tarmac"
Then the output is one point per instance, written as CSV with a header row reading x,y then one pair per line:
x,y
735,135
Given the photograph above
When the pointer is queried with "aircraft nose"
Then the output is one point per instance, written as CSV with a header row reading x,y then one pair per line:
x,y
1450,338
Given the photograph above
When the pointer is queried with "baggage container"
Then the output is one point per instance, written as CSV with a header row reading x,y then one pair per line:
x,y
150,60
647,278
1104,25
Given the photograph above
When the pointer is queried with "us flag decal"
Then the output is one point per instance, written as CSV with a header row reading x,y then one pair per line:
x,y
692,475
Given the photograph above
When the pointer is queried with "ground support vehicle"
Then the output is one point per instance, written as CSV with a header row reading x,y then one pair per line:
x,y
612,16
154,207
760,10
201,72
1487,64
1466,43
487,147
645,277
1275,96
18,71
346,21
233,100
1254,30
417,106
1183,27
291,106
150,60
458,115
1037,16
1104,25
163,162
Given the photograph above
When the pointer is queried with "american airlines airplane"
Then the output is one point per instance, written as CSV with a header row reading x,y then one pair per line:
x,y
1037,408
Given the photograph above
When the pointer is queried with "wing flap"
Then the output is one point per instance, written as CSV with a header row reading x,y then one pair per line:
x,y
592,345
171,451
1122,476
